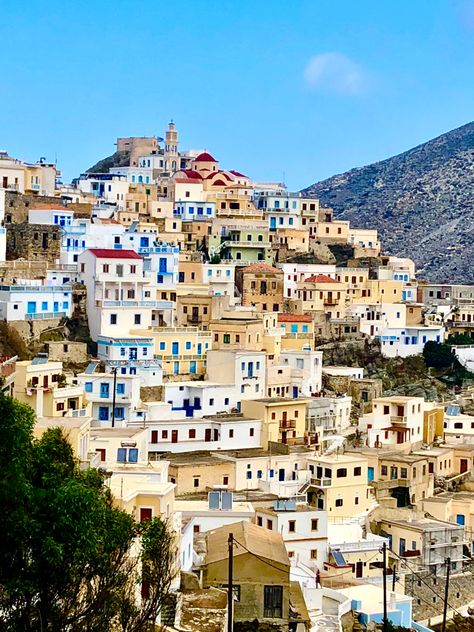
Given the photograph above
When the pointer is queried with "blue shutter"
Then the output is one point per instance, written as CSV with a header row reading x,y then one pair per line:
x,y
122,455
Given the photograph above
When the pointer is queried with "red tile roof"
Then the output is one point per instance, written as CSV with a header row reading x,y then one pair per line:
x,y
219,183
261,267
321,278
111,253
190,173
294,318
204,157
238,174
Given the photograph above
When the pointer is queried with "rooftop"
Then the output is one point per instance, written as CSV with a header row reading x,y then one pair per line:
x,y
262,267
295,318
320,278
282,400
115,432
204,157
298,508
111,253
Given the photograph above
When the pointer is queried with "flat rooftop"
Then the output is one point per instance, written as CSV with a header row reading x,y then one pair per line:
x,y
193,458
116,432
61,422
299,509
333,459
282,400
425,524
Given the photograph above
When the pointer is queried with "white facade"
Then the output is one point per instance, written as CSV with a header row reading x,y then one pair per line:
x,y
195,210
221,279
373,319
303,529
215,433
3,231
35,301
458,428
294,273
99,390
109,187
245,369
198,399
354,372
409,340
131,356
394,420
53,217
206,519
306,368
329,413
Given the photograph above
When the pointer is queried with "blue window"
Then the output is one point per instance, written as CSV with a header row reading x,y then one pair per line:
x,y
370,473
65,304
31,307
123,370
242,366
280,220
407,340
304,329
104,390
122,455
163,265
294,329
145,351
437,338
227,273
209,273
290,221
133,178
133,370
188,346
294,204
192,366
159,278
460,519
162,346
119,412
191,210
88,387
199,348
121,388
209,211
257,366
133,455
176,368
414,340
259,473
249,475
200,210
103,413
424,339
44,306
180,277
175,348
242,389
144,241
271,473
277,204
122,351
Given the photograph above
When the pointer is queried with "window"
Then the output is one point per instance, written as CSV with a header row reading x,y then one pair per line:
x,y
270,524
341,472
403,472
137,319
249,475
292,526
314,524
154,436
384,470
188,346
273,602
231,433
192,433
357,471
196,481
113,319
88,387
251,432
339,502
226,339
60,406
314,554
164,434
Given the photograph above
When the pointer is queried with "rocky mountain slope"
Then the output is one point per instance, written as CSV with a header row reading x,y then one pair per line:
x,y
421,202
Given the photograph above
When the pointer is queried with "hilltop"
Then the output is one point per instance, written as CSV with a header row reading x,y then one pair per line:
x,y
421,202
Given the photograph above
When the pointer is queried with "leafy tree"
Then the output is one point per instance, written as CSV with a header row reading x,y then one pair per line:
x,y
69,559
437,355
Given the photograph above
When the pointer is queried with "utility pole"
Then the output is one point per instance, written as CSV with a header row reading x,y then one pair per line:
x,y
385,620
114,388
394,579
446,594
230,589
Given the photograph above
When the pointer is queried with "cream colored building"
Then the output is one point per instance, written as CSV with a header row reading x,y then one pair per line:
x,y
283,419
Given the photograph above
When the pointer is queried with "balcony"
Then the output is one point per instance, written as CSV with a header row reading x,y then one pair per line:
x,y
169,357
246,244
288,424
330,301
12,186
36,288
410,553
398,420
181,330
107,303
34,187
321,482
45,315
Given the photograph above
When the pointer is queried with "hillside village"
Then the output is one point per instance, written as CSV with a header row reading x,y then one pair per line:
x,y
242,364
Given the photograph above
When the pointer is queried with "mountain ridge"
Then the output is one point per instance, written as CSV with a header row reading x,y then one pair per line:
x,y
421,201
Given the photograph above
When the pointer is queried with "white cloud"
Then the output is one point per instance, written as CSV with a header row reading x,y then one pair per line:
x,y
335,72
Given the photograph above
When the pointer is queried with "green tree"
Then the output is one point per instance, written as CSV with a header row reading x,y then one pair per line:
x,y
437,355
70,560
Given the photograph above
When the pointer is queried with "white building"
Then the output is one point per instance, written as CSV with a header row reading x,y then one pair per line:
x,y
221,279
131,355
294,273
33,301
3,232
306,366
303,529
408,341
99,390
394,420
213,513
458,427
198,399
105,186
195,210
119,297
245,369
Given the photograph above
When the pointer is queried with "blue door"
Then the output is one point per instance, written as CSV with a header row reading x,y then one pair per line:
x,y
273,223
104,390
103,413
133,353
295,392
31,308
370,474
163,265
281,474
250,369
192,366
175,348
55,307
199,348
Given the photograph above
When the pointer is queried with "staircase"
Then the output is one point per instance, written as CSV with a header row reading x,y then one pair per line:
x,y
168,611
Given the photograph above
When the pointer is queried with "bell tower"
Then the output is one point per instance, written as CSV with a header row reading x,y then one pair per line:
x,y
171,149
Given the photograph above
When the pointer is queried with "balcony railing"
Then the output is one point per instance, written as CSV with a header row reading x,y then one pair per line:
x,y
246,244
288,424
125,303
321,482
36,288
181,330
410,553
45,315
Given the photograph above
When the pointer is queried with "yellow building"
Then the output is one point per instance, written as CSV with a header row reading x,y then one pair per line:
x,y
291,238
455,507
182,350
261,286
43,386
334,231
237,330
339,484
283,419
75,429
298,331
433,421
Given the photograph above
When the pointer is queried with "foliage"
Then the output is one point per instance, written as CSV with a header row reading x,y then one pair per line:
x,y
70,560
459,340
437,355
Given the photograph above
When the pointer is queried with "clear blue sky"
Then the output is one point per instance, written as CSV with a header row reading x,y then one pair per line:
x,y
305,88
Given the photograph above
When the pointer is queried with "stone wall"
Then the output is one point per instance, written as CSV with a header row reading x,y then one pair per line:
x,y
17,206
67,351
33,242
18,269
32,329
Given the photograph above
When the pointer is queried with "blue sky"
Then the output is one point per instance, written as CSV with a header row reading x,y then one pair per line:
x,y
300,88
